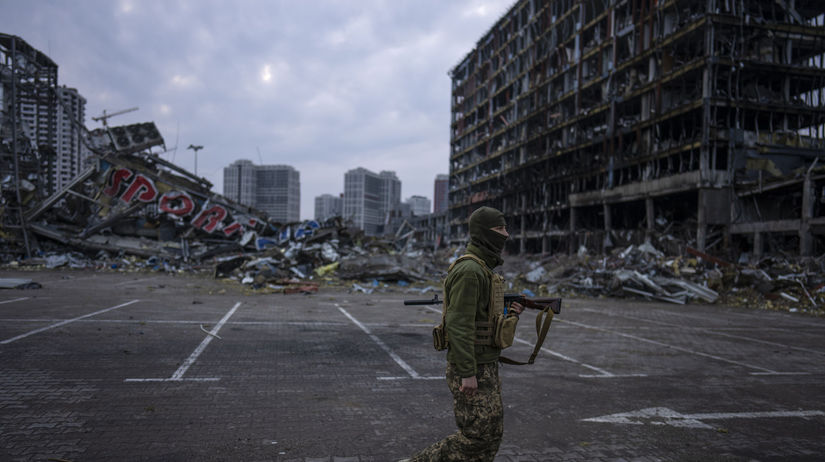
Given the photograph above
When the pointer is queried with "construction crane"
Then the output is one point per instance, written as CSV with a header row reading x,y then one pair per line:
x,y
105,116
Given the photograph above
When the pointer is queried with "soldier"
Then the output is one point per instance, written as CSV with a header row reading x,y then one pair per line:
x,y
470,291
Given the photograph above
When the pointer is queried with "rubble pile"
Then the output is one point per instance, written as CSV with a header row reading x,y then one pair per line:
x,y
332,257
642,271
133,211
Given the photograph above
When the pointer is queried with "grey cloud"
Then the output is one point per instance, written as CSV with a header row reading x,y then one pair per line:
x,y
354,83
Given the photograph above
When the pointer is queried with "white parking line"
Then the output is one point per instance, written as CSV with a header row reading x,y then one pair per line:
x,y
63,323
230,323
413,374
194,356
711,331
14,300
601,372
761,317
761,370
178,375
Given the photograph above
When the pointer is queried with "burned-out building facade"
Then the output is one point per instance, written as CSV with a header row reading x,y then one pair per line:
x,y
45,119
29,106
600,122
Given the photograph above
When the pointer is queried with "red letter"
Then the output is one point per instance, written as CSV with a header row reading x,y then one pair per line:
x,y
143,187
212,216
167,203
117,177
232,229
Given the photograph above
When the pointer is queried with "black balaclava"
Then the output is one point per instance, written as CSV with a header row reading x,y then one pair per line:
x,y
484,240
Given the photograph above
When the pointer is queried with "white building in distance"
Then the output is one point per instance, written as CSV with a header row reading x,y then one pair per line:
x,y
420,205
328,206
369,198
272,189
72,154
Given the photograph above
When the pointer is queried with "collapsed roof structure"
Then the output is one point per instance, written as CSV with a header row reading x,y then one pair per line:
x,y
589,121
127,199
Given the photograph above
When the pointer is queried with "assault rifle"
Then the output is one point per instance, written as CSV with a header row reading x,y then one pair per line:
x,y
543,319
527,302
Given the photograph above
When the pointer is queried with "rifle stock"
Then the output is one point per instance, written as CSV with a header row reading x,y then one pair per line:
x,y
534,303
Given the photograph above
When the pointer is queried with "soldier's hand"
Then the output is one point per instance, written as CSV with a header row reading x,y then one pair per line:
x,y
469,385
516,307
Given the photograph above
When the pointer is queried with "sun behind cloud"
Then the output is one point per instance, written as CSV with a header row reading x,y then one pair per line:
x,y
126,6
266,73
274,72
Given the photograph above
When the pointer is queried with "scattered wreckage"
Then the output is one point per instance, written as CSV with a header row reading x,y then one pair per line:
x,y
132,210
787,283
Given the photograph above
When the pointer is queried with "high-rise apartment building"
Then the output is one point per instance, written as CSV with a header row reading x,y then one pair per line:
x,y
272,189
328,206
47,115
585,121
369,198
419,205
239,182
440,195
390,191
72,154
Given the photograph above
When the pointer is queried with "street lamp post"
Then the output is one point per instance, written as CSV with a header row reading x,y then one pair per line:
x,y
196,149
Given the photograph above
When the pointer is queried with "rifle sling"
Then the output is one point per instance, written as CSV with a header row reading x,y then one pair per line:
x,y
543,321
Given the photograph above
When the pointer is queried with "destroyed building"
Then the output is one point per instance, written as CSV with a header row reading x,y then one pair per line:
x,y
600,122
131,208
28,128
106,191
43,117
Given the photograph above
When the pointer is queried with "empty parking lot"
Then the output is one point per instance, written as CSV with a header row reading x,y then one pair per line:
x,y
143,366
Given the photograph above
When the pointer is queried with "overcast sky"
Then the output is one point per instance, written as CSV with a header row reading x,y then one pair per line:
x,y
324,86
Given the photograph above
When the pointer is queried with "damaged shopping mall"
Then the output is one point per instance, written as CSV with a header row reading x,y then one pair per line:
x,y
126,208
602,123
125,198
652,149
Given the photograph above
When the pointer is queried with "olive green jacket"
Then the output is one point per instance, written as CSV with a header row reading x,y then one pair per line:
x,y
467,292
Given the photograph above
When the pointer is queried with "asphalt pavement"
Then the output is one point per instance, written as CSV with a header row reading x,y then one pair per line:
x,y
156,367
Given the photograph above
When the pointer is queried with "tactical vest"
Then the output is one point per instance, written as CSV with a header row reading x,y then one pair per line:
x,y
498,330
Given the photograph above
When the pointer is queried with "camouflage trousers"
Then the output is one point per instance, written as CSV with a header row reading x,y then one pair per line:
x,y
480,420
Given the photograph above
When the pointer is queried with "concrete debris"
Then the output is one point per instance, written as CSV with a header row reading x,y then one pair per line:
x,y
359,288
536,275
17,283
130,210
693,277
